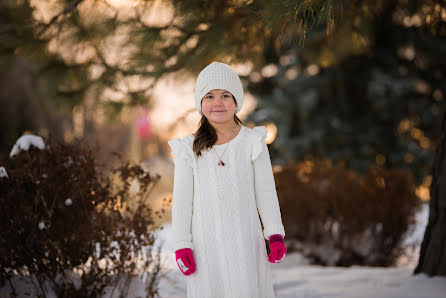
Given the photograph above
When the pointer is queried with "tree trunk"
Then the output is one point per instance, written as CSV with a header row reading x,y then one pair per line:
x,y
433,249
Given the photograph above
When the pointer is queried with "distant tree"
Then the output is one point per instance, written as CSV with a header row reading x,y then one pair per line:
x,y
433,249
372,92
94,54
91,53
369,92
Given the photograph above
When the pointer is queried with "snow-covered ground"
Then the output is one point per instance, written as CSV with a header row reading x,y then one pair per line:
x,y
294,277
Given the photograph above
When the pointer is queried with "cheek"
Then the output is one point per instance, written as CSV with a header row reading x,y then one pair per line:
x,y
205,107
230,105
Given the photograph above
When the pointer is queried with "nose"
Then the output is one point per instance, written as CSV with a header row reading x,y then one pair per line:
x,y
218,102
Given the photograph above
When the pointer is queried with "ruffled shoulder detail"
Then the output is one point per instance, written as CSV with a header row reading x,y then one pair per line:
x,y
183,149
257,138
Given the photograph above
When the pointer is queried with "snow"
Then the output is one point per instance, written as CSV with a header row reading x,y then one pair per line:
x,y
3,172
413,240
41,225
24,142
296,278
69,162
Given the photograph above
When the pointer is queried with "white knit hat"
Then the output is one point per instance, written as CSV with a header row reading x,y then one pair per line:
x,y
218,76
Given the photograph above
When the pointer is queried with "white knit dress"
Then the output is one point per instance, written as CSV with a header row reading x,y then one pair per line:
x,y
215,212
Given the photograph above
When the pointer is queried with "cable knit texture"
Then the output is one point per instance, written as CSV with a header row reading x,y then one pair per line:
x,y
218,75
215,211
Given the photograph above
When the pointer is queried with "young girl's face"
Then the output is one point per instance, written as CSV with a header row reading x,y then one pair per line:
x,y
218,106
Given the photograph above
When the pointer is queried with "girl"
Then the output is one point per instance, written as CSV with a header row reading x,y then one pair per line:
x,y
223,180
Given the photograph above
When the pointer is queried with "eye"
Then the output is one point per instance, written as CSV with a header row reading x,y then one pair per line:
x,y
209,96
226,96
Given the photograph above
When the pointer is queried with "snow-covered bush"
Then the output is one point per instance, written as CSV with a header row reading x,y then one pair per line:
x,y
65,223
338,217
25,142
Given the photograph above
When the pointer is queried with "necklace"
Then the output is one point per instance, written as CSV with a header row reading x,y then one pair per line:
x,y
220,162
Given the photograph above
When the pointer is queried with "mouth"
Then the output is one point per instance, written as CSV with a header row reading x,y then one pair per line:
x,y
219,111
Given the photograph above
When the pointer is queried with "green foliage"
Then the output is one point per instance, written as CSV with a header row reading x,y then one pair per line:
x,y
375,102
379,64
65,223
89,49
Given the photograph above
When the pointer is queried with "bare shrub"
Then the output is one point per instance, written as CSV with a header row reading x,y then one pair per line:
x,y
339,217
64,221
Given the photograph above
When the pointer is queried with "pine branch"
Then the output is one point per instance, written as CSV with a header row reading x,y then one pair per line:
x,y
72,7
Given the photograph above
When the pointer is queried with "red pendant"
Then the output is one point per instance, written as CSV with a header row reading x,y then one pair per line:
x,y
221,163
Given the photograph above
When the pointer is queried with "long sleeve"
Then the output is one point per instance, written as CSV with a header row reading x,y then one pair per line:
x,y
182,202
265,191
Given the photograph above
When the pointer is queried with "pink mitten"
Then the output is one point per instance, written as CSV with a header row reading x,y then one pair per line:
x,y
185,260
277,248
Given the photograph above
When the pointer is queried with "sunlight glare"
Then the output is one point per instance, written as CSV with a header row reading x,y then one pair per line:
x,y
272,132
122,3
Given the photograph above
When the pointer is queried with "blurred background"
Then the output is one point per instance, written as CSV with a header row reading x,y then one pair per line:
x,y
351,92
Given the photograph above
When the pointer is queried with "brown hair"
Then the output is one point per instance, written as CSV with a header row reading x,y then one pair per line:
x,y
206,136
